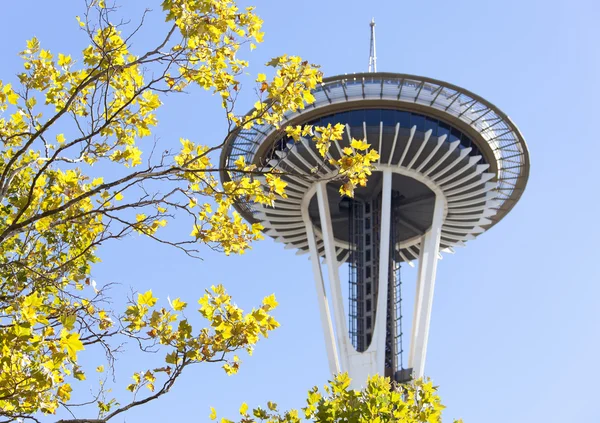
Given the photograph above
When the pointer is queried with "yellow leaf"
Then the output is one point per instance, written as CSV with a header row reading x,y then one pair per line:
x,y
213,413
100,369
63,60
240,163
71,343
149,376
45,55
277,184
308,97
261,77
12,98
33,44
118,196
146,299
229,369
152,100
270,302
34,300
244,409
178,304
60,138
359,145
64,392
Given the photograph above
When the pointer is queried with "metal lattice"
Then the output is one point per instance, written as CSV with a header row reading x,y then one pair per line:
x,y
396,303
364,219
356,274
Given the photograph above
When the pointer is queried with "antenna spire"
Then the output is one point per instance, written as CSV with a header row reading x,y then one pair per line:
x,y
373,52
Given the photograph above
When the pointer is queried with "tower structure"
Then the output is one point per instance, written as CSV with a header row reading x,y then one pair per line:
x,y
451,166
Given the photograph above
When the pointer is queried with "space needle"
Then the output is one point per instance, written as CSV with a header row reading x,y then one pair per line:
x,y
451,166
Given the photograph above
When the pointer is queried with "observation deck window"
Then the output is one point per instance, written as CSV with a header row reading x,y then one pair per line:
x,y
390,117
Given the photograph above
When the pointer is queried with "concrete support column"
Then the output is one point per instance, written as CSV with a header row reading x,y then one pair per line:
x,y
330,346
430,246
341,329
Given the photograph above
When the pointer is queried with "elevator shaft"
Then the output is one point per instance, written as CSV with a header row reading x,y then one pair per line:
x,y
364,234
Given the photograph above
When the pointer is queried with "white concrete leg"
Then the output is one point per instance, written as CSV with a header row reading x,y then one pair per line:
x,y
341,329
330,346
430,246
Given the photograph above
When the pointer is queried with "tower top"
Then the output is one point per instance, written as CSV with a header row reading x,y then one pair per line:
x,y
372,52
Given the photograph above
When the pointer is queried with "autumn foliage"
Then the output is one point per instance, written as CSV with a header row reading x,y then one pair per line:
x,y
68,116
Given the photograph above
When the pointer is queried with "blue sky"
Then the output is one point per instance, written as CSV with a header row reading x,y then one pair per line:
x,y
514,335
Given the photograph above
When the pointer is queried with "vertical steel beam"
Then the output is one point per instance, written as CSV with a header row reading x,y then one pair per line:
x,y
430,246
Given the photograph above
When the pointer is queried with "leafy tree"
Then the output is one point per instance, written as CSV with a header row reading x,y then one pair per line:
x,y
380,402
77,170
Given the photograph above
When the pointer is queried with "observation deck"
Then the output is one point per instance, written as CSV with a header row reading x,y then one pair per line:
x,y
439,139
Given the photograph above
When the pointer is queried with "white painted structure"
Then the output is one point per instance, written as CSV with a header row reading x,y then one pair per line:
x,y
471,188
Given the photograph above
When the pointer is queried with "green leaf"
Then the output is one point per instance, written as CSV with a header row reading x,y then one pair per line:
x,y
22,330
78,373
274,62
171,358
68,321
